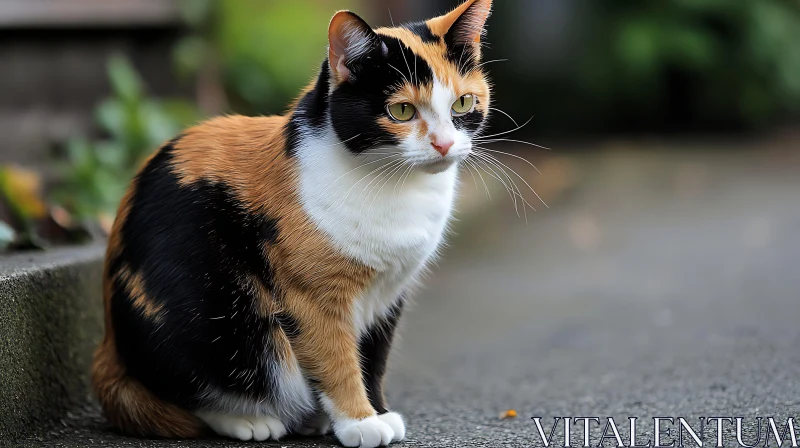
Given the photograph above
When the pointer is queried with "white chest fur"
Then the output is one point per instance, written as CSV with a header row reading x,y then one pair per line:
x,y
393,227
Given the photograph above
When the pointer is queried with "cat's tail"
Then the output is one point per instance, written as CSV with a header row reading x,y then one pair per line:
x,y
133,409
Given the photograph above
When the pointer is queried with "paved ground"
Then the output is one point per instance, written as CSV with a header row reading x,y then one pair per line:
x,y
656,285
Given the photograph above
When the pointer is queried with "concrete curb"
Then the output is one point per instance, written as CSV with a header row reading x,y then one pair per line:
x,y
50,322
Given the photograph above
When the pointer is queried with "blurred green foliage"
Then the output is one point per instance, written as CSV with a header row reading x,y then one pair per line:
x,y
678,65
96,174
265,51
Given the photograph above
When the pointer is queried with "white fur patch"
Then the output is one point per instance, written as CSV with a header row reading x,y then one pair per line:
x,y
395,421
367,433
293,398
244,428
390,226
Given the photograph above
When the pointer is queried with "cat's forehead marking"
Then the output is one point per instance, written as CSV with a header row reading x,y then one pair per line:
x,y
433,51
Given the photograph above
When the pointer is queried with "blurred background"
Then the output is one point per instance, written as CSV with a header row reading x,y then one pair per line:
x,y
91,87
669,247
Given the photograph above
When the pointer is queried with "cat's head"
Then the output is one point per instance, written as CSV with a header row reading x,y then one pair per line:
x,y
417,89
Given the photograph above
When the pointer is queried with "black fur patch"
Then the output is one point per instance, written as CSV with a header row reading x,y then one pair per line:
x,y
374,349
196,248
471,122
463,56
356,105
311,109
422,30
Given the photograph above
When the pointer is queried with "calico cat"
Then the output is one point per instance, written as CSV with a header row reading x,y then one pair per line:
x,y
258,267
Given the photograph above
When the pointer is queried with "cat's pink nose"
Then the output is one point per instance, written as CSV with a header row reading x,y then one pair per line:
x,y
442,145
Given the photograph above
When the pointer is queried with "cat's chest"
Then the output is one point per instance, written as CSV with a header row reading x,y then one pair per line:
x,y
393,231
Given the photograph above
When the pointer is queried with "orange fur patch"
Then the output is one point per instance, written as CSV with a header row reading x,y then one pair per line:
x,y
134,284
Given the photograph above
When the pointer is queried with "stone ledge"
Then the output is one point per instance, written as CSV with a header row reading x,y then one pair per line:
x,y
51,318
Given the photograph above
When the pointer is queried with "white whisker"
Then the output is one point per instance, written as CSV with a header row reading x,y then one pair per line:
x,y
511,155
512,194
486,187
388,178
365,164
483,137
489,62
481,141
398,71
474,180
365,176
488,159
520,177
507,115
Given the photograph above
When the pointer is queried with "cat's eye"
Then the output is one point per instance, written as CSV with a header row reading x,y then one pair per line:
x,y
464,105
402,111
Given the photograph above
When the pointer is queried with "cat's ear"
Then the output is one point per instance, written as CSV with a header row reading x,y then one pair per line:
x,y
465,25
349,39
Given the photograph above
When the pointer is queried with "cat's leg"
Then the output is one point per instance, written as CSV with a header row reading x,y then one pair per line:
x,y
374,348
244,427
327,348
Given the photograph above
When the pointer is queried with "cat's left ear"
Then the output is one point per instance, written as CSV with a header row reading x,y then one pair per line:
x,y
465,25
349,40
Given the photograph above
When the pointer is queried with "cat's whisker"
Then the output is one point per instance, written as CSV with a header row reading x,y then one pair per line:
x,y
398,71
364,177
484,137
365,164
483,142
486,187
511,190
407,176
507,115
511,155
388,178
474,180
490,160
489,62
378,176
460,68
520,177
487,158
386,174
416,77
408,168
403,53
343,141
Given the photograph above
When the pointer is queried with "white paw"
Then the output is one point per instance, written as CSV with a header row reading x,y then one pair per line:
x,y
245,427
367,433
395,421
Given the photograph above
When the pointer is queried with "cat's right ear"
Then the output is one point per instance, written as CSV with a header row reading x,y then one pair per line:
x,y
349,38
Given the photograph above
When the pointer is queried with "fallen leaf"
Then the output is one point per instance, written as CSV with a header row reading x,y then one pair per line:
x,y
22,189
509,414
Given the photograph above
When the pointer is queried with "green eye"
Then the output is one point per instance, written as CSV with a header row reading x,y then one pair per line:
x,y
402,111
464,105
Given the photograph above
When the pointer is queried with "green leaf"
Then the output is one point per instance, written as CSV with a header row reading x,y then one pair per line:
x,y
124,79
112,117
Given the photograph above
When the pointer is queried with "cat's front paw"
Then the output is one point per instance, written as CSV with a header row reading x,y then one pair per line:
x,y
245,427
395,421
367,433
